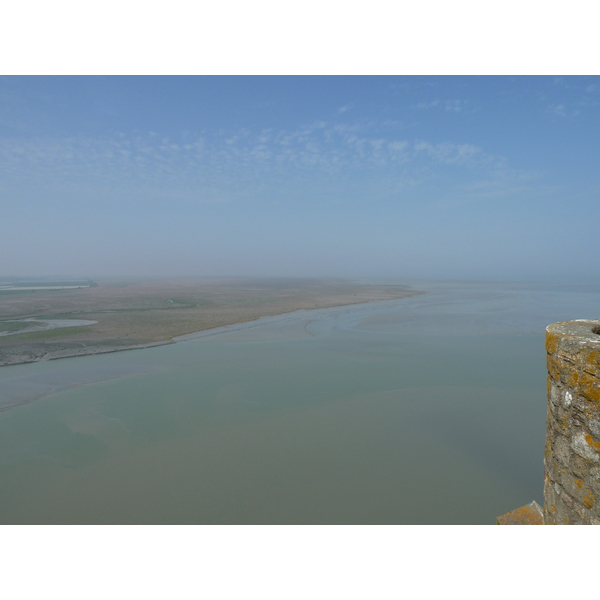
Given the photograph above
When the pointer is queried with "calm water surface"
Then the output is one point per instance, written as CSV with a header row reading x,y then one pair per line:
x,y
429,409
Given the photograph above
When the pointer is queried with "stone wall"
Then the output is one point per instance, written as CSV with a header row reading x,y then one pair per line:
x,y
572,459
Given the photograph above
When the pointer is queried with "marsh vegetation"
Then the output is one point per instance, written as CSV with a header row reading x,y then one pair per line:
x,y
137,313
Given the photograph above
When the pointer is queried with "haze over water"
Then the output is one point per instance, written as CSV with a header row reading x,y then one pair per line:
x,y
429,409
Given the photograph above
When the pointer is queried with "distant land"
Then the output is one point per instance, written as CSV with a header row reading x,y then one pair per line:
x,y
44,319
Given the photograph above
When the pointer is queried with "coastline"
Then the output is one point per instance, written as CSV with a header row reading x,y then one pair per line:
x,y
75,352
7,403
29,352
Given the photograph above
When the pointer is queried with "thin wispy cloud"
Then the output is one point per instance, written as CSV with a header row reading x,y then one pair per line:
x,y
455,105
558,110
448,153
235,159
426,105
570,97
565,111
452,105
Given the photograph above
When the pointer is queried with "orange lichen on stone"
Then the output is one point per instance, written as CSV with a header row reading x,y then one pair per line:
x,y
592,393
591,360
588,498
554,367
574,377
551,342
578,482
571,375
590,387
530,514
590,440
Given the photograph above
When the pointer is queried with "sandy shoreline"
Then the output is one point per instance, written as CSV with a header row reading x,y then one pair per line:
x,y
139,320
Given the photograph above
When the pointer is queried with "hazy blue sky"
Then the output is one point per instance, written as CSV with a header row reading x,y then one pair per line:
x,y
403,177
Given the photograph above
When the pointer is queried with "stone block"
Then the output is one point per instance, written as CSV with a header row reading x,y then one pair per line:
x,y
580,467
572,485
554,394
572,457
580,445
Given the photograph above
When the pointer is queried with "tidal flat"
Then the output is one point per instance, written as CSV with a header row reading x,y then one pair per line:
x,y
428,409
131,314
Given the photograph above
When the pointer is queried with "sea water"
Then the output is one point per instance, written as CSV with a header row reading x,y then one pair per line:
x,y
424,410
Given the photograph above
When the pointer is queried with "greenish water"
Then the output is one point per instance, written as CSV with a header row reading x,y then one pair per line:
x,y
423,410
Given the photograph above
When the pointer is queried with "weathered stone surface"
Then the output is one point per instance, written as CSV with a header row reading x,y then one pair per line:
x,y
569,483
595,477
594,425
530,514
562,449
572,459
554,393
580,445
580,467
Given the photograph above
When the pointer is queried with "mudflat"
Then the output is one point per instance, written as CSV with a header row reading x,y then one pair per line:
x,y
134,314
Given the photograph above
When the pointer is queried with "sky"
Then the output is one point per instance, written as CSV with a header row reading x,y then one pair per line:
x,y
359,177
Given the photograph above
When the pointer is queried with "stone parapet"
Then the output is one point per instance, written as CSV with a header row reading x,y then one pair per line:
x,y
572,458
530,514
